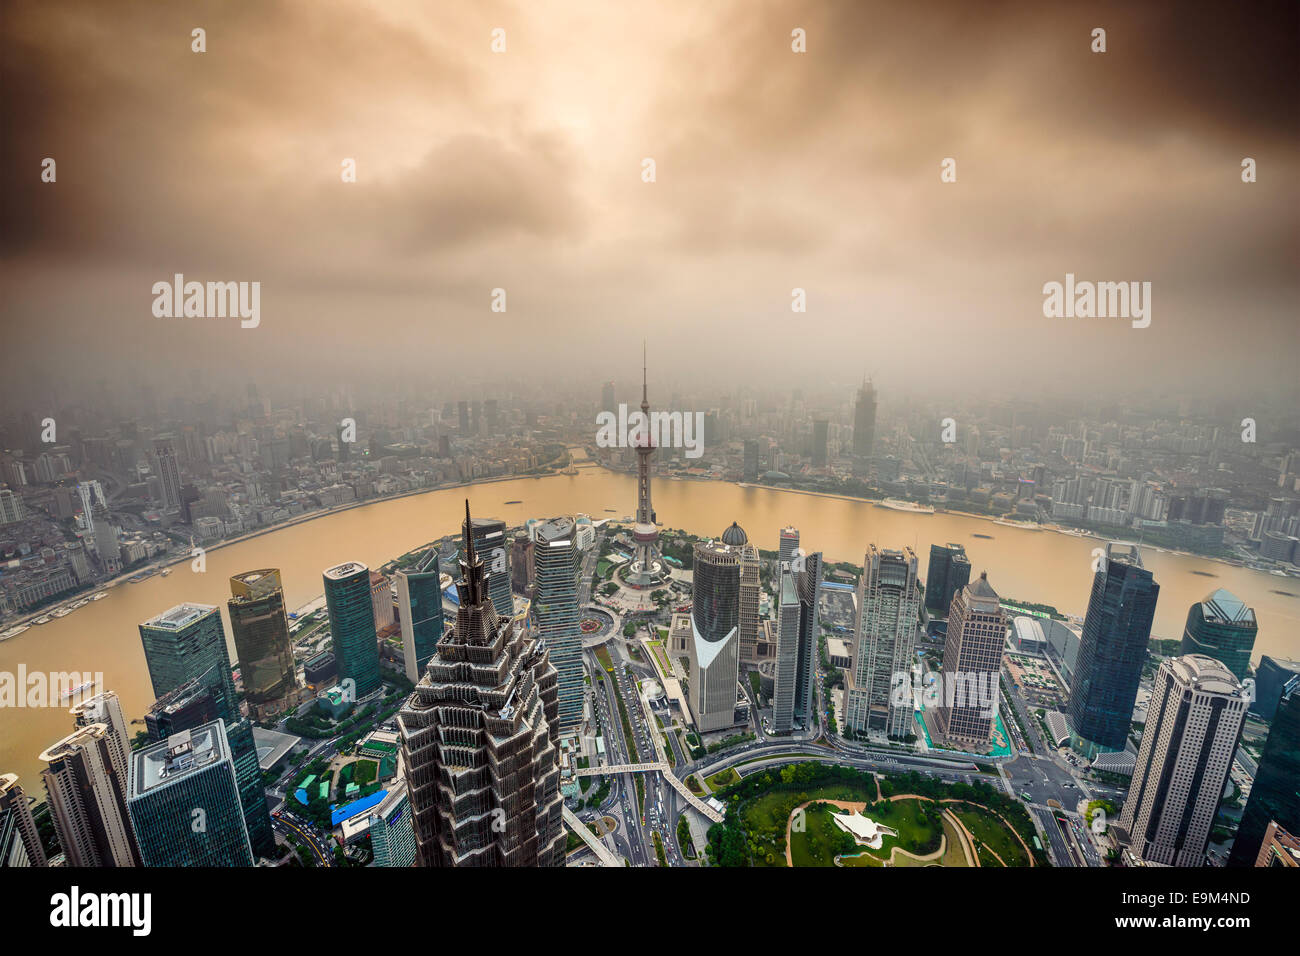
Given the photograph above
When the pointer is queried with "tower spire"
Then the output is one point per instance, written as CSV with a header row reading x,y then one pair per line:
x,y
645,393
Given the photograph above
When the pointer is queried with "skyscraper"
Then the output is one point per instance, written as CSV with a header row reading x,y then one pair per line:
x,y
947,573
1222,627
352,625
164,449
789,543
889,599
188,643
972,666
20,843
419,601
1193,725
1271,678
555,608
492,546
820,442
479,740
607,398
87,802
793,691
392,838
715,620
260,628
1275,794
864,427
751,593
1111,653
184,801
751,459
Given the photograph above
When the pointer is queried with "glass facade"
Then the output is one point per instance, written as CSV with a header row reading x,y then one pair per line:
x,y
1112,651
352,626
261,632
491,544
1222,627
1275,794
555,606
419,598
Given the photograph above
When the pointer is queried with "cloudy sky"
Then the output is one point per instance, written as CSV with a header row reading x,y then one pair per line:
x,y
522,170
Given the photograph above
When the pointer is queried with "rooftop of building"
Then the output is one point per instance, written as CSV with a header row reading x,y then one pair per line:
x,y
1205,674
735,535
177,757
180,616
1225,607
346,570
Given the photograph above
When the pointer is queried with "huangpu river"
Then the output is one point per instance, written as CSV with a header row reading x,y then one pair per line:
x,y
1039,566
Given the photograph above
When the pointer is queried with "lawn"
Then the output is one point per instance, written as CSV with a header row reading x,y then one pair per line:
x,y
721,779
918,833
987,829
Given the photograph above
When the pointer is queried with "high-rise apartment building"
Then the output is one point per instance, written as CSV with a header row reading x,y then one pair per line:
x,y
419,603
164,450
1224,628
1193,724
260,628
715,619
789,543
555,609
479,740
1275,793
352,626
104,708
972,666
492,546
20,843
1112,651
793,686
87,802
889,600
184,801
947,573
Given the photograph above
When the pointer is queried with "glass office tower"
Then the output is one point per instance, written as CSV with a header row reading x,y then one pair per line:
x,y
419,602
555,606
352,625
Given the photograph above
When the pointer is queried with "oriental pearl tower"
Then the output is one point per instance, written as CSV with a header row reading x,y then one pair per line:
x,y
647,568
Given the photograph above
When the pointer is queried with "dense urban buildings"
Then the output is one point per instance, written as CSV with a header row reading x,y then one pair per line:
x,y
557,562
260,629
794,693
479,740
1193,725
972,664
184,801
419,604
1224,628
889,599
352,624
1274,795
1116,628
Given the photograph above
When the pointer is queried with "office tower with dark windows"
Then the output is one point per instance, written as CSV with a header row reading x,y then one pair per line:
x,y
789,543
1193,724
1112,650
190,705
864,428
889,601
1271,678
188,643
751,596
522,568
419,603
607,398
20,842
87,800
493,547
480,740
260,628
184,801
462,418
820,442
715,619
793,685
948,573
104,708
972,666
352,626
1222,627
1275,793
555,609
169,473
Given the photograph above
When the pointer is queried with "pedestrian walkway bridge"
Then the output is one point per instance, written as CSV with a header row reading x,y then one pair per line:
x,y
603,853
